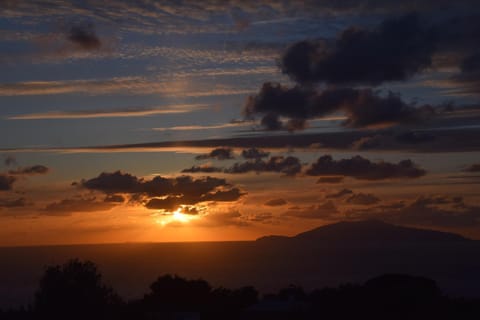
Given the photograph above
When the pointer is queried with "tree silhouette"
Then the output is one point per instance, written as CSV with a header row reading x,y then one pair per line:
x,y
74,291
173,293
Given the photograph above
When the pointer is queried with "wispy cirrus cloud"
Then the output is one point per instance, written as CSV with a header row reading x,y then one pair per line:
x,y
110,113
135,85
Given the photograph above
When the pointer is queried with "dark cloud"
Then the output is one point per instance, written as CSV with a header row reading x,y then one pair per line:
x,y
428,211
10,161
330,179
115,198
13,203
27,171
394,51
164,193
232,194
473,168
271,121
363,107
289,166
78,204
276,202
363,199
203,168
325,210
469,75
414,137
116,182
6,182
218,154
339,194
367,143
254,153
168,203
360,168
83,35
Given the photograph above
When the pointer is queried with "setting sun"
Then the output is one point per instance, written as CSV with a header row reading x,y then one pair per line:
x,y
180,217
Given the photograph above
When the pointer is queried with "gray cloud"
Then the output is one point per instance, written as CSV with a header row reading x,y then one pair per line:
x,y
289,166
326,210
363,169
332,179
364,199
339,194
84,36
164,193
13,203
68,206
218,154
473,168
10,160
395,50
254,153
6,182
203,168
363,107
32,170
275,202
428,211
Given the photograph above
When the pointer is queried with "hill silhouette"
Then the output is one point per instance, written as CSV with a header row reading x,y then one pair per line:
x,y
369,231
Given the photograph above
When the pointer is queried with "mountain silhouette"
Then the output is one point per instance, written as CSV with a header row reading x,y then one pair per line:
x,y
369,231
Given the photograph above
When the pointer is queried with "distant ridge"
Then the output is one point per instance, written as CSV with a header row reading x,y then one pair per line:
x,y
368,231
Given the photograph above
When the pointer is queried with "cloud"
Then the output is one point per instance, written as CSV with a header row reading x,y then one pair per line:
x,y
289,166
473,168
13,203
115,198
428,211
363,199
218,154
109,113
6,182
366,143
325,210
332,179
223,219
28,171
10,160
394,51
363,169
116,182
132,85
363,107
207,168
83,36
339,194
164,193
254,153
469,75
78,204
275,202
415,137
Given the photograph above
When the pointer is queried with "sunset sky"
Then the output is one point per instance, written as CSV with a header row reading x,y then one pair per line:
x,y
133,121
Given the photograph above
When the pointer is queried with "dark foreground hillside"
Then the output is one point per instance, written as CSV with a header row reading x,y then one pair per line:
x,y
75,290
327,256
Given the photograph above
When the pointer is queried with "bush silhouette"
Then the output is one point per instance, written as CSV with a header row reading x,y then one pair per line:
x,y
74,291
173,293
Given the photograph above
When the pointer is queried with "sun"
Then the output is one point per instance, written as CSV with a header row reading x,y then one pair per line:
x,y
179,216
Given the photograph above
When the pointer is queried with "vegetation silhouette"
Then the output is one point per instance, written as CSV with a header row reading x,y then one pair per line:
x,y
75,290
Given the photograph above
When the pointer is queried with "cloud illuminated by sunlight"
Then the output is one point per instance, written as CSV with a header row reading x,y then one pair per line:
x,y
177,216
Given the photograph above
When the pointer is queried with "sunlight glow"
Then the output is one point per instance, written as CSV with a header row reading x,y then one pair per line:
x,y
180,217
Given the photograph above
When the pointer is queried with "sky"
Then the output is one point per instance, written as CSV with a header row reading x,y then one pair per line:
x,y
153,121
